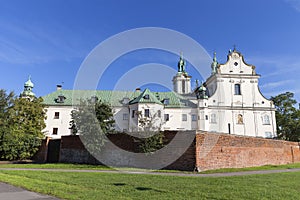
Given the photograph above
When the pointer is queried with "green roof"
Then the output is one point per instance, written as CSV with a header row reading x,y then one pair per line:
x,y
146,97
116,98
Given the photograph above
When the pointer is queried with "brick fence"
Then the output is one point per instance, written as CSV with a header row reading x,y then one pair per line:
x,y
214,151
207,151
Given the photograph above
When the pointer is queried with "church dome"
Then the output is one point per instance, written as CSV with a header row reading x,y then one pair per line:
x,y
28,83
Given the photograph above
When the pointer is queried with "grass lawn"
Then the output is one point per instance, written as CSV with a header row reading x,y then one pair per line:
x,y
89,185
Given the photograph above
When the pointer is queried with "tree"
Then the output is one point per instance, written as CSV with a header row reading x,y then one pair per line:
x,y
6,101
287,116
150,135
92,120
22,135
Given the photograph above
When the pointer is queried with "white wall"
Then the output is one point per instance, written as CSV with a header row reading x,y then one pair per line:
x,y
62,123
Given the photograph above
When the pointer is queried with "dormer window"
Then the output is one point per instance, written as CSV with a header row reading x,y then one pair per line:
x,y
146,96
60,99
125,100
166,101
94,99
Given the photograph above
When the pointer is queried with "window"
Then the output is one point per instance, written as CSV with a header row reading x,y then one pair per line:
x,y
240,119
147,113
167,118
166,101
194,117
60,99
55,131
266,120
125,116
268,135
237,89
183,87
146,96
206,117
132,113
94,99
184,117
159,114
56,115
213,118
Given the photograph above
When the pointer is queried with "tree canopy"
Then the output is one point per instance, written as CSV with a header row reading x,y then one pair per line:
x,y
92,120
287,116
21,125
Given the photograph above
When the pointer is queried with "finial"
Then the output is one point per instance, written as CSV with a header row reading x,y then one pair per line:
x,y
234,48
29,77
215,56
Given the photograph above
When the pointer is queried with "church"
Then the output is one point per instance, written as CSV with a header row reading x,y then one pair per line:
x,y
229,101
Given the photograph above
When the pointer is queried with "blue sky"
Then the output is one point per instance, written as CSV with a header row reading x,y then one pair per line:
x,y
49,40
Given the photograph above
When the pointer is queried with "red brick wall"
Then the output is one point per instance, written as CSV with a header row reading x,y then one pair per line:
x,y
41,155
208,151
214,151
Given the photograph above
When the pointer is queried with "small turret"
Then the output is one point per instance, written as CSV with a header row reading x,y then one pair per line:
x,y
28,86
201,92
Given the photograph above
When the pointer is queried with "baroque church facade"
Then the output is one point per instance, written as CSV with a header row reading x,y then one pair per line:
x,y
229,101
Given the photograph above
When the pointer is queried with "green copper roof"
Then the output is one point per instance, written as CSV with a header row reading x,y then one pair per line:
x,y
146,97
28,83
116,98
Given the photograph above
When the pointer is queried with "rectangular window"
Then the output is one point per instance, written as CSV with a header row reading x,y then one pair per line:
x,y
147,113
183,87
237,89
56,115
194,117
184,117
266,120
268,135
213,119
55,131
159,114
132,113
166,101
206,117
167,118
125,116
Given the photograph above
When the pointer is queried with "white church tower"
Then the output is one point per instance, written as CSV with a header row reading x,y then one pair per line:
x,y
182,81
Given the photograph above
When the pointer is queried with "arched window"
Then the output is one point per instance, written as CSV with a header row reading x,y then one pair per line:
x,y
237,89
213,118
240,119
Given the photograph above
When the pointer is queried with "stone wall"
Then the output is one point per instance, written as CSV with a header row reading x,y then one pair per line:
x,y
214,151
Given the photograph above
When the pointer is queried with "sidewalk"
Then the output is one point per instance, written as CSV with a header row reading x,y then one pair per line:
x,y
9,192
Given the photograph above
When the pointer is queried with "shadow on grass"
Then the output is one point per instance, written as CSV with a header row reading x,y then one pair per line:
x,y
147,189
119,184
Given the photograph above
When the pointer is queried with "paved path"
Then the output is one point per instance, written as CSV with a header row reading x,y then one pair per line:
x,y
9,192
160,173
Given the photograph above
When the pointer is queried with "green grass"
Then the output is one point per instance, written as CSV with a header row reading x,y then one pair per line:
x,y
265,167
56,166
79,185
